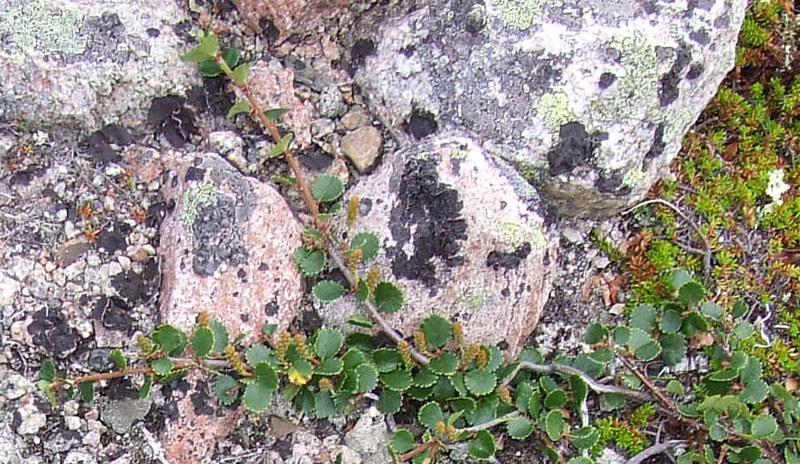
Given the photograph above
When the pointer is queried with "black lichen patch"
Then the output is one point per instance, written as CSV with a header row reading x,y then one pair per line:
x,y
129,286
105,144
668,84
194,174
432,210
170,117
112,238
508,260
475,18
612,183
50,330
315,158
113,314
218,236
658,145
700,36
575,148
213,97
201,400
271,309
606,79
695,71
157,211
421,124
361,49
268,31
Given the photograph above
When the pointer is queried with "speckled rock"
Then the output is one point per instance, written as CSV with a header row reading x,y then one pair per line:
x,y
589,99
459,239
362,146
86,63
120,415
226,248
288,17
370,437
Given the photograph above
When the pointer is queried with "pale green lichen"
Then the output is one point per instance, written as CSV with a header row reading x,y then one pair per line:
x,y
515,235
45,28
554,110
632,178
475,299
520,14
204,195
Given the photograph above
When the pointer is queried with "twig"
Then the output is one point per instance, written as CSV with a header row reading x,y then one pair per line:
x,y
178,364
666,402
569,370
417,450
706,254
491,423
655,450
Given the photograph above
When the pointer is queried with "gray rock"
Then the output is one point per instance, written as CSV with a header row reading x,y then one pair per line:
x,y
20,268
458,239
370,437
62,441
121,415
13,385
355,118
322,127
89,63
31,420
8,289
11,447
362,146
330,103
588,99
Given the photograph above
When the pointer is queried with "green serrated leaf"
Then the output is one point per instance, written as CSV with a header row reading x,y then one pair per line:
x,y
430,414
426,377
256,397
305,401
390,402
280,148
519,428
614,400
260,353
87,391
602,356
763,426
386,359
388,297
144,392
398,380
170,339
724,375
310,262
465,405
555,399
328,290
360,320
48,370
456,382
330,366
754,392
691,293
266,375
739,309
712,310
202,341
437,331
674,346
420,393
643,317
671,321
522,396
238,108
210,68
362,291
119,359
444,364
327,188
402,441
240,73
621,335
353,358
328,343
482,447
648,352
324,405
274,114
363,341
751,371
369,244
225,389
678,277
743,330
595,333
480,382
231,56
367,378
675,387
579,390
585,437
162,366
220,336
554,424
638,338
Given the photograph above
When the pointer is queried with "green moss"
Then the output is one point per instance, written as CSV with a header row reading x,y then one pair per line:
x,y
554,110
204,195
515,235
520,14
663,255
40,26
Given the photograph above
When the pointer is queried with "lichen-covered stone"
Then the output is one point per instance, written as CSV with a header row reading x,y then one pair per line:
x,y
462,235
227,249
588,99
86,63
288,17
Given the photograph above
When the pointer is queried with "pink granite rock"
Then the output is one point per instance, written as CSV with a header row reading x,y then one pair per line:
x,y
291,16
227,249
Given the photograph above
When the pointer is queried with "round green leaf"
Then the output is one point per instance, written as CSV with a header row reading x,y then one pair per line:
x,y
595,333
330,366
119,359
717,433
162,366
425,377
751,371
202,341
621,335
754,392
555,399
240,73
643,317
739,309
266,375
648,352
678,277
367,377
305,401
480,382
402,441
585,437
369,244
398,380
144,392
87,391
325,407
519,428
444,364
310,262
257,397
763,426
328,290
554,424
674,346
220,335
602,356
390,402
170,339
47,370
430,414
224,389
691,293
386,359
327,188
328,343
260,353
360,320
482,447
743,330
638,338
724,375
353,357
671,321
388,297
712,310
437,331
420,393
465,404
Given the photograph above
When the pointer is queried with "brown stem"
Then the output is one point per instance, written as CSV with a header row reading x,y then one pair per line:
x,y
178,365
666,402
419,449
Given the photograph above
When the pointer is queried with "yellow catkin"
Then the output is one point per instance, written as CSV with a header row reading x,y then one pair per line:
x,y
458,333
372,277
145,345
470,354
482,359
301,347
203,319
505,394
235,361
441,428
405,352
452,432
420,343
354,258
282,347
352,211
325,383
